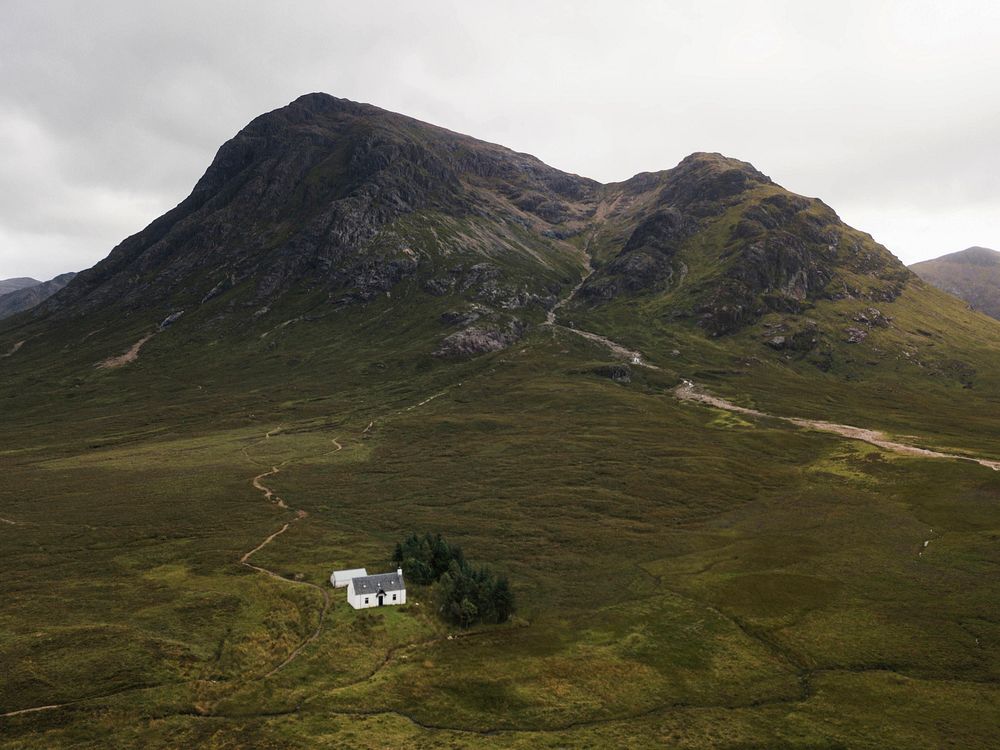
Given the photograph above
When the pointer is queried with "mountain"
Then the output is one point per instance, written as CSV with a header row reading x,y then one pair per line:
x,y
344,200
737,462
12,285
972,274
341,202
19,300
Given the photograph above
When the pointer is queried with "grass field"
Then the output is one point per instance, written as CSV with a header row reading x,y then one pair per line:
x,y
687,577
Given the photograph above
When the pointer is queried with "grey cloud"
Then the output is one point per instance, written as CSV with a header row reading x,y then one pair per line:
x,y
111,111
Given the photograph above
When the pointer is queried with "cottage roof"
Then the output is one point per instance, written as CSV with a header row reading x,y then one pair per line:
x,y
384,581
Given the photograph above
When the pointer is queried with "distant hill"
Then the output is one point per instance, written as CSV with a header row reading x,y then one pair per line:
x,y
972,274
12,285
21,298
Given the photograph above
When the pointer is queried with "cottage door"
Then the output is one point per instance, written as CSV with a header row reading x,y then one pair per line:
x,y
380,598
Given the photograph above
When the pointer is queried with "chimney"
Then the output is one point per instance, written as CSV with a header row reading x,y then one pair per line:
x,y
399,572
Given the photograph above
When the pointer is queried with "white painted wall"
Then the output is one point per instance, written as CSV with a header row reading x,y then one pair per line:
x,y
358,600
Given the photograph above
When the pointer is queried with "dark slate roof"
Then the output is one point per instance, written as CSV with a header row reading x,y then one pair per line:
x,y
384,581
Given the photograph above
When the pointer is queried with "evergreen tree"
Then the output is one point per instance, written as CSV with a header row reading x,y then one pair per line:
x,y
466,595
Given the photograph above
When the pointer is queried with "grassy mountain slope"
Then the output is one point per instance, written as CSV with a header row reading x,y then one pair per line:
x,y
687,576
972,275
773,300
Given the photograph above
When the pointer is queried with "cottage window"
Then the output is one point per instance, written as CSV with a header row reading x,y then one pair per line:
x,y
394,597
366,600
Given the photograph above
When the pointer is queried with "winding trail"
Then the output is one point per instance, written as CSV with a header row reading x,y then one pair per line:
x,y
425,401
35,709
268,494
272,497
244,560
687,391
13,350
77,701
550,316
632,356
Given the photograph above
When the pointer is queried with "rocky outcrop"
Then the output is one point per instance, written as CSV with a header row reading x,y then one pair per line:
x,y
170,320
646,262
702,184
476,340
873,318
793,336
620,373
855,335
776,272
760,248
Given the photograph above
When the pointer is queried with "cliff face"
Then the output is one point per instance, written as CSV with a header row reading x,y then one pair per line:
x,y
726,245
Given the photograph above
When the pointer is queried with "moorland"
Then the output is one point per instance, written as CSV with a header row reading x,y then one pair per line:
x,y
365,348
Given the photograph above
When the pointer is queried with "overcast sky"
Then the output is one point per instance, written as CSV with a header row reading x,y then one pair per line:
x,y
888,111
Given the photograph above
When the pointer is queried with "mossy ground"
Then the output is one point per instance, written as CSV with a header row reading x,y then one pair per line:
x,y
686,577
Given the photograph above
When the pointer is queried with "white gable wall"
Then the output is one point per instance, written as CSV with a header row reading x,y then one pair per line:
x,y
358,601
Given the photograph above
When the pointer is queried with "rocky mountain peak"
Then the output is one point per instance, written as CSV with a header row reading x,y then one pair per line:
x,y
342,202
311,195
707,177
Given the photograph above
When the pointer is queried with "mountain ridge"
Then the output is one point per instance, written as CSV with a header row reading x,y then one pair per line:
x,y
972,275
337,189
12,285
334,199
327,205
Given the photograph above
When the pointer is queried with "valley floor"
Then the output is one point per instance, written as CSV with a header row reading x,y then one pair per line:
x,y
689,574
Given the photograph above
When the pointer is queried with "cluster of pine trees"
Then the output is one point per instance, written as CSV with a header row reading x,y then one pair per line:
x,y
466,595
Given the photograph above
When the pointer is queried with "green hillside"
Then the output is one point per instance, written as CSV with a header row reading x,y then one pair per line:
x,y
686,576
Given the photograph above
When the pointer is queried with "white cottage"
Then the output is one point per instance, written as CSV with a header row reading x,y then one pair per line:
x,y
341,578
382,589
